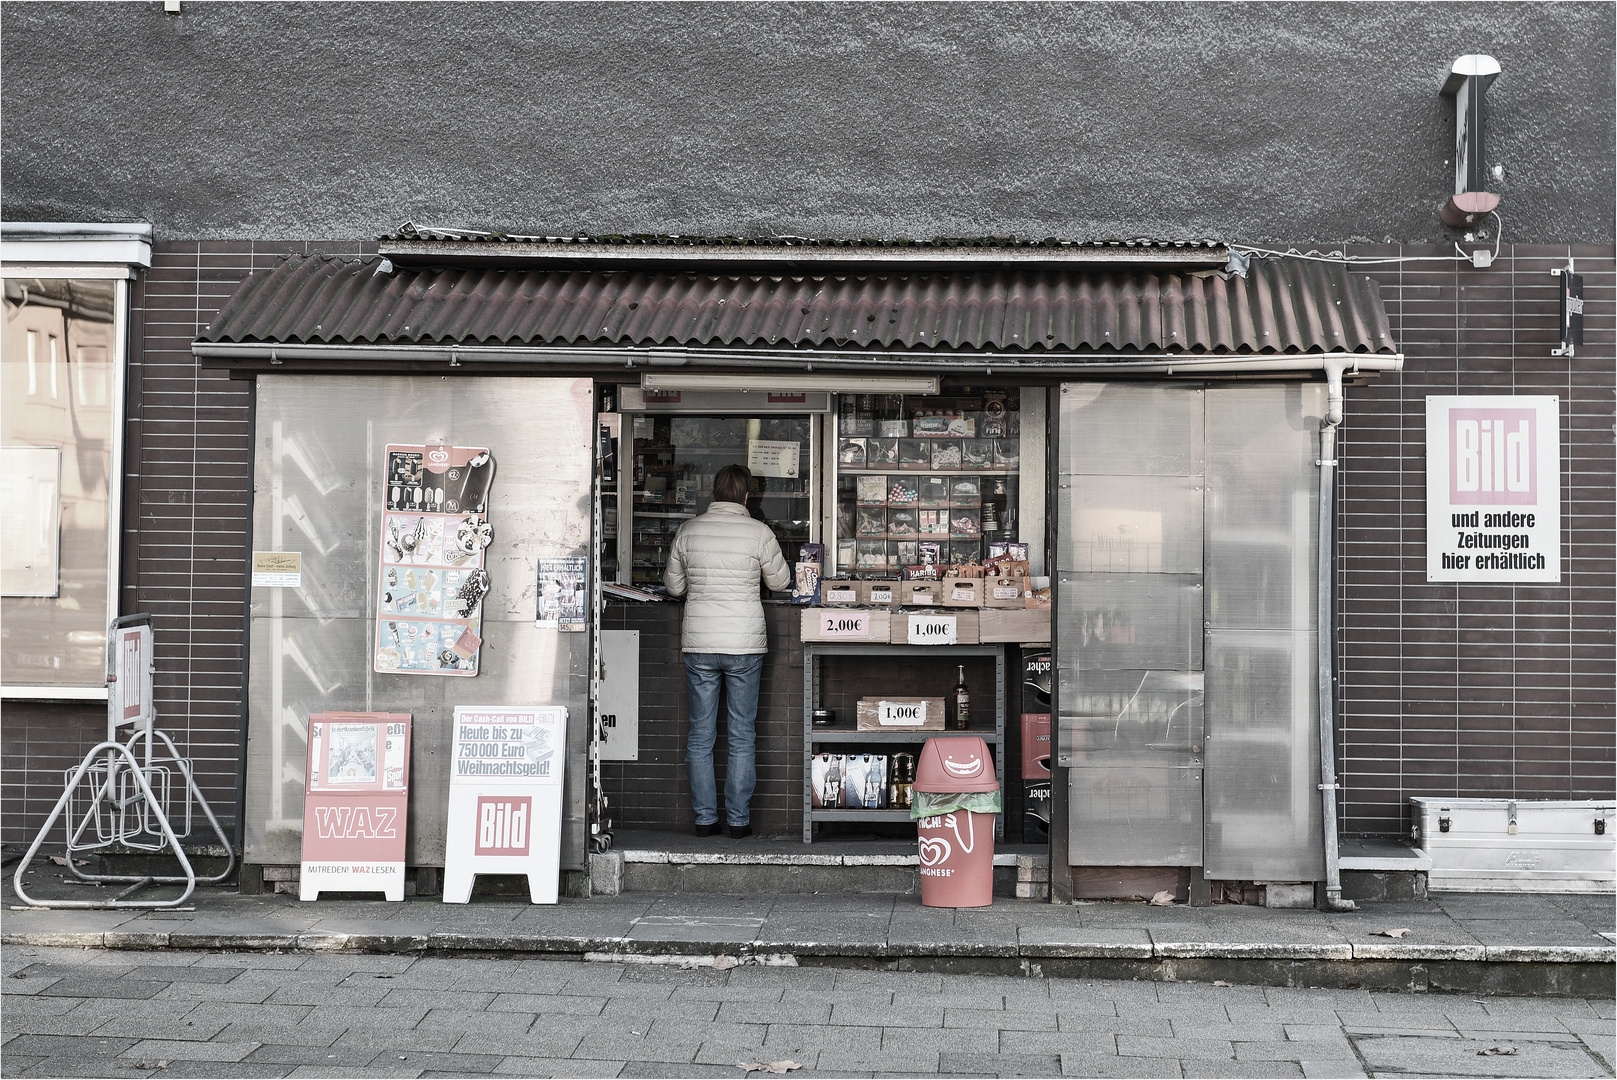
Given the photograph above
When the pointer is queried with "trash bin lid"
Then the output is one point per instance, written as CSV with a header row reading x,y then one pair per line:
x,y
959,763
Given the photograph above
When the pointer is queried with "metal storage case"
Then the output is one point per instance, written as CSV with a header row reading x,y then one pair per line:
x,y
1517,845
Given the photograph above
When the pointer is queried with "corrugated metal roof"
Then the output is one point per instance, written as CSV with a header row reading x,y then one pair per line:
x,y
410,231
1282,306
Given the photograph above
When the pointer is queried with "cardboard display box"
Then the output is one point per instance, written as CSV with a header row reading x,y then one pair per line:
x,y
962,592
915,714
1025,625
966,629
839,591
1004,592
845,624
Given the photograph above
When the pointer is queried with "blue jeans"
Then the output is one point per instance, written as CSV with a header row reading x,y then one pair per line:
x,y
741,674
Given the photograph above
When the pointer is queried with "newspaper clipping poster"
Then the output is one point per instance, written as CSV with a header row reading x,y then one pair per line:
x,y
562,594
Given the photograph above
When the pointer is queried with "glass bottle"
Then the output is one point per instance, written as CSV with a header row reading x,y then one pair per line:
x,y
962,702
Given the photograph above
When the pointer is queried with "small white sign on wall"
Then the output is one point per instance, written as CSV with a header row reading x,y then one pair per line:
x,y
505,788
1493,489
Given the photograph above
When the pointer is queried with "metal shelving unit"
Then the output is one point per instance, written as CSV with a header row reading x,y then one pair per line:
x,y
812,737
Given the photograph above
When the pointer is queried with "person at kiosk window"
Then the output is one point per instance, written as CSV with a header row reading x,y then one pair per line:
x,y
716,562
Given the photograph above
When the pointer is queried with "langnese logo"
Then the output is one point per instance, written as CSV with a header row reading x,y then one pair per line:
x,y
502,824
1493,457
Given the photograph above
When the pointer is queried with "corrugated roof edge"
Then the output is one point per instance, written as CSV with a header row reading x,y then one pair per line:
x,y
430,242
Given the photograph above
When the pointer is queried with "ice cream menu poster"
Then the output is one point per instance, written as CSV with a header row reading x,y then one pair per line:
x,y
432,581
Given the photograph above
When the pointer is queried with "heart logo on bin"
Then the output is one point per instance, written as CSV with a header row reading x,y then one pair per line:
x,y
934,851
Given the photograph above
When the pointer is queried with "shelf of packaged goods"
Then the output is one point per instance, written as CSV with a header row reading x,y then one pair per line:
x,y
915,470
848,735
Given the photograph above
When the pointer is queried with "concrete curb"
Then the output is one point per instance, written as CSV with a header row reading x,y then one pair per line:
x,y
457,941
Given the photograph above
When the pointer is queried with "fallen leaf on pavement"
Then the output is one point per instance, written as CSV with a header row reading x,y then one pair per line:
x,y
61,860
1497,1051
1221,982
725,963
1400,932
1162,899
777,1067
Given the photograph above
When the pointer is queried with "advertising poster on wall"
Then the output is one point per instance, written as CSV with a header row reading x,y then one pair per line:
x,y
505,788
1493,489
356,795
562,594
432,581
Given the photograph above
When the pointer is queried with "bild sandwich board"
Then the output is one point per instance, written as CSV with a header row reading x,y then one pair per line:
x,y
505,787
355,801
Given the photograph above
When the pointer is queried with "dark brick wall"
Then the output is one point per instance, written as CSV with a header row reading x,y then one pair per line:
x,y
1476,690
186,488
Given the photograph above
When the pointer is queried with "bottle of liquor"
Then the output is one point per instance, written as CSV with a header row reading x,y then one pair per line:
x,y
962,702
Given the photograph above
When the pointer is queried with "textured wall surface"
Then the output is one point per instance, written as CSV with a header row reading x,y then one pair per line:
x,y
1259,123
1493,689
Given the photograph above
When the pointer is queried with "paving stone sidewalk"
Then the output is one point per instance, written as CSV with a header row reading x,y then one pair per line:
x,y
1536,929
186,1013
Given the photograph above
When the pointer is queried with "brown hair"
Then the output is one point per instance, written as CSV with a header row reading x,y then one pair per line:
x,y
733,484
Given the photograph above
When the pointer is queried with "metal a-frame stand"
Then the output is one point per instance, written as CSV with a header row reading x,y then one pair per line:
x,y
128,786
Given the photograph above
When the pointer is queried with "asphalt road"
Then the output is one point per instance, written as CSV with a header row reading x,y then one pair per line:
x,y
98,1013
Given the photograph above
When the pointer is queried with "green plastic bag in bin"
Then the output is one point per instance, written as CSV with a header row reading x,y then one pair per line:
x,y
925,804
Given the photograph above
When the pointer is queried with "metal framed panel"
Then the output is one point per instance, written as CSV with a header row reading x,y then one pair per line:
x,y
1131,524
1263,770
1133,815
1144,717
1131,621
1131,429
317,482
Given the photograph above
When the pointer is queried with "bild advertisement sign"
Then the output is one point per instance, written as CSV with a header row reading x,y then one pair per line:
x,y
1493,489
505,787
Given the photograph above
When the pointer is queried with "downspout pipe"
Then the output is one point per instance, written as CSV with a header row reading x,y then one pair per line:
x,y
1327,636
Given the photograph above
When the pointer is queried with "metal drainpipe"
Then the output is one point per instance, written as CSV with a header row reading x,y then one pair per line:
x,y
1327,631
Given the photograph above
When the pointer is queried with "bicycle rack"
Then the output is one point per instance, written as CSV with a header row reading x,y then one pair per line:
x,y
129,789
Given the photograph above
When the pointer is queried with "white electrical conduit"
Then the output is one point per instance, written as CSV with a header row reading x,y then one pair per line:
x,y
1327,635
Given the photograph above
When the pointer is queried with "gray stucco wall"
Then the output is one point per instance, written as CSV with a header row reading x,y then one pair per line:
x,y
1264,123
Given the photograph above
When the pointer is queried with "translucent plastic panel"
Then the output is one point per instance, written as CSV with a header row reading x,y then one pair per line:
x,y
1142,715
1135,816
1130,621
318,490
1262,753
1133,429
1130,524
1263,505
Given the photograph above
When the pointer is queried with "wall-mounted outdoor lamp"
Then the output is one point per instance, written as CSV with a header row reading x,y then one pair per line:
x,y
1468,78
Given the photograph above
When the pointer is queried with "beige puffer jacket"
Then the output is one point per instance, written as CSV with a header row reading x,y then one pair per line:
x,y
715,563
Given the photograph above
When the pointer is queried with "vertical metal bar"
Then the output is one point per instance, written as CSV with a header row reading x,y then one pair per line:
x,y
239,828
1060,796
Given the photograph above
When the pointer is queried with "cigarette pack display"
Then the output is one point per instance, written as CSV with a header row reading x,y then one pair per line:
x,y
914,454
934,491
902,714
872,522
880,452
871,490
901,524
835,591
977,453
933,523
946,454
871,555
965,524
965,491
851,452
903,491
865,787
827,778
1007,453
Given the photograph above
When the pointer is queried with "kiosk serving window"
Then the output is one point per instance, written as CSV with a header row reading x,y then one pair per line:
x,y
674,445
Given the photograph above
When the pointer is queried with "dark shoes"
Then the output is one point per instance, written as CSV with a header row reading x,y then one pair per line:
x,y
710,829
739,831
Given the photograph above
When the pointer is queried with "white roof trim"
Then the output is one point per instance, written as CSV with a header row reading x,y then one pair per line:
x,y
72,243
